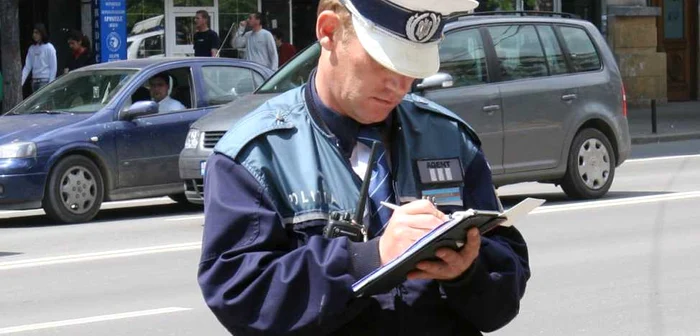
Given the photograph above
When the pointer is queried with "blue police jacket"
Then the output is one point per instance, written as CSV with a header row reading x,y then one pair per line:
x,y
269,187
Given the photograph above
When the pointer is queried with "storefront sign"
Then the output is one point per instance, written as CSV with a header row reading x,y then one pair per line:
x,y
109,32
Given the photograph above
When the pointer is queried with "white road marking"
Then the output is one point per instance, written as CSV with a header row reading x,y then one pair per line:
x,y
93,319
175,219
572,207
661,158
9,265
139,201
107,205
617,202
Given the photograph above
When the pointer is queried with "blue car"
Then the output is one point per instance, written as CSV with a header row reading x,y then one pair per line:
x,y
111,131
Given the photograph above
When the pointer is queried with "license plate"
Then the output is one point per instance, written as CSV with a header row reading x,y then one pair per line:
x,y
202,167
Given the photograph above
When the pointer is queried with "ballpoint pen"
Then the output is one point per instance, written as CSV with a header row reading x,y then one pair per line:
x,y
394,207
389,205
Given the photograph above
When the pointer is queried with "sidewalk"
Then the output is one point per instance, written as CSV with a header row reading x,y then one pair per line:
x,y
674,121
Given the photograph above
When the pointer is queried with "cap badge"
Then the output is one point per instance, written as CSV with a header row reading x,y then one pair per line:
x,y
422,26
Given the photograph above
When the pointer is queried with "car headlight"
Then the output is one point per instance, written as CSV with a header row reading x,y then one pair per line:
x,y
18,150
192,140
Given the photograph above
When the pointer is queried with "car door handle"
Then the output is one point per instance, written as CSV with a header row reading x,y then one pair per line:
x,y
491,108
568,97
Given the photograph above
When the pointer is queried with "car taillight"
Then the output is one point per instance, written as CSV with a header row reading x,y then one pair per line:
x,y
624,102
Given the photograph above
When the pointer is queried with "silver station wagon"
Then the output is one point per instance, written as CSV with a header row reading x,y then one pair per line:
x,y
543,93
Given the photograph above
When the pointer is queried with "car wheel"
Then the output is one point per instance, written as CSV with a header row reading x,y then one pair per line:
x,y
74,191
590,167
180,198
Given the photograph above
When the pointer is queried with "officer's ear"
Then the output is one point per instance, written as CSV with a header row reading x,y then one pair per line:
x,y
328,27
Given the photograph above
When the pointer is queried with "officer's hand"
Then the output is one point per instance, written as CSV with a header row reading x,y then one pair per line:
x,y
453,263
407,224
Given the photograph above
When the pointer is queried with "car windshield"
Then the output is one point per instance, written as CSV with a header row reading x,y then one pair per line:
x,y
77,92
293,74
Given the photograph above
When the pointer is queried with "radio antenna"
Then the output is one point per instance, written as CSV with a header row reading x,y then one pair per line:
x,y
364,189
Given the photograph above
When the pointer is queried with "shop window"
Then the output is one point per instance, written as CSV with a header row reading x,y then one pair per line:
x,y
193,3
146,27
144,16
231,13
184,30
539,5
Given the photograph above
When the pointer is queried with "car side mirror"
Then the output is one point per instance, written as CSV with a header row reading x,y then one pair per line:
x,y
436,81
139,109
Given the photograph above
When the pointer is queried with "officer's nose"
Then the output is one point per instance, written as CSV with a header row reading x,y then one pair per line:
x,y
398,83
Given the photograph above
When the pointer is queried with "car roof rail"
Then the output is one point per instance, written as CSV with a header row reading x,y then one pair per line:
x,y
460,15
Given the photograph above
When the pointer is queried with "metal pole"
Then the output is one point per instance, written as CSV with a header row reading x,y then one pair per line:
x,y
653,116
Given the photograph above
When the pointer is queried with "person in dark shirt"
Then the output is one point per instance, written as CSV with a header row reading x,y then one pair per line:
x,y
285,50
80,48
206,41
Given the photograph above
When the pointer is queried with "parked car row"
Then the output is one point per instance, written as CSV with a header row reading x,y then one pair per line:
x,y
544,94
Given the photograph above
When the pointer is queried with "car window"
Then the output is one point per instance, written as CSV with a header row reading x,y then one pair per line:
x,y
294,73
582,51
153,46
258,79
462,56
77,92
223,84
552,50
519,52
171,89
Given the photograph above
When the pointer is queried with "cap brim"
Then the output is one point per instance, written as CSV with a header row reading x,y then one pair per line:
x,y
407,58
417,60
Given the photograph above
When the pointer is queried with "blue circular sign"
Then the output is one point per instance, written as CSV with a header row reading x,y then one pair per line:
x,y
114,41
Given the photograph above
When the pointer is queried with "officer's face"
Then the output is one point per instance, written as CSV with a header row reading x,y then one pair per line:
x,y
370,91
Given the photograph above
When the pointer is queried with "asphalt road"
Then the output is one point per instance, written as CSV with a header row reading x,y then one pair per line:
x,y
624,265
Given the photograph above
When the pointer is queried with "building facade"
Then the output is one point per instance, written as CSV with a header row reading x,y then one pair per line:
x,y
174,20
655,41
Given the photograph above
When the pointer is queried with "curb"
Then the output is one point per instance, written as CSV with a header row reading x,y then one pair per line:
x,y
657,138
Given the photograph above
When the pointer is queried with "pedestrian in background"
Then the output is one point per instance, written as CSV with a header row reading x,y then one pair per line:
x,y
41,59
80,48
206,41
259,44
285,50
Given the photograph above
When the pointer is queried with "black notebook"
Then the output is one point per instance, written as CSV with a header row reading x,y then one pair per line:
x,y
450,233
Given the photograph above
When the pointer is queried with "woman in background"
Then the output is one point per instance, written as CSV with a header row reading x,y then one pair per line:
x,y
80,48
41,59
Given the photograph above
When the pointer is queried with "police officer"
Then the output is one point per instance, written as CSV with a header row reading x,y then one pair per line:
x,y
267,267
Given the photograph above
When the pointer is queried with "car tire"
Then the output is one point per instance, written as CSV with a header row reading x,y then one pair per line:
x,y
180,199
591,166
75,190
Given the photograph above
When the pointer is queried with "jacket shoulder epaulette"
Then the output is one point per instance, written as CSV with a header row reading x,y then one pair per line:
x,y
430,106
279,113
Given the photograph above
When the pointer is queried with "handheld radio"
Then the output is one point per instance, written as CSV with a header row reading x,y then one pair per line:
x,y
342,224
